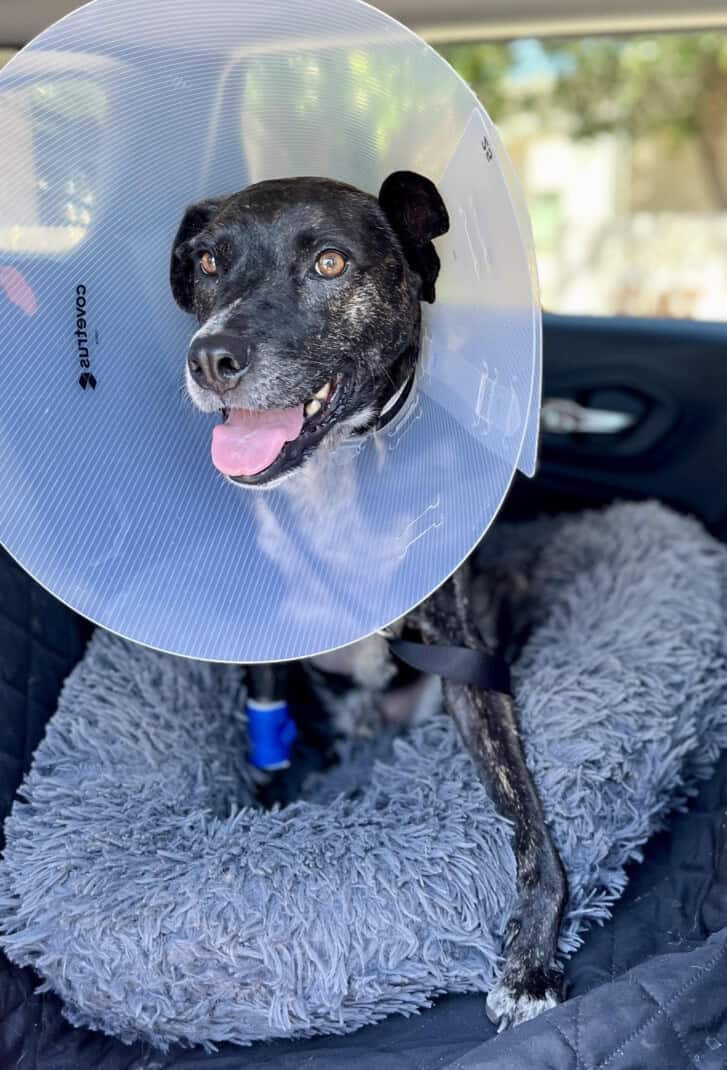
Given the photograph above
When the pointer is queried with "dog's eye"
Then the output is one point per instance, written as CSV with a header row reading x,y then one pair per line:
x,y
208,264
330,264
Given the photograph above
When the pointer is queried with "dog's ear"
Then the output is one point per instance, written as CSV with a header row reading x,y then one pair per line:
x,y
181,269
417,214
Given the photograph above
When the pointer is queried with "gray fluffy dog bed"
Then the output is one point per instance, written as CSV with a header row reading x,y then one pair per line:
x,y
150,894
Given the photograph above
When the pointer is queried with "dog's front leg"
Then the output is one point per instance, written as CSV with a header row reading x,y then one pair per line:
x,y
529,981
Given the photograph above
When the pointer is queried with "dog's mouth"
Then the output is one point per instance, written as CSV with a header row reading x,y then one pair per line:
x,y
256,446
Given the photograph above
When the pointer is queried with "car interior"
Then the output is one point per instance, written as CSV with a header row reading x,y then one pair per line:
x,y
628,203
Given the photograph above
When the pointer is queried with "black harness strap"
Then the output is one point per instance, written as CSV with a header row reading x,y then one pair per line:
x,y
456,663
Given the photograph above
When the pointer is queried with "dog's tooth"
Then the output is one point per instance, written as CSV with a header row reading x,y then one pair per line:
x,y
323,393
312,408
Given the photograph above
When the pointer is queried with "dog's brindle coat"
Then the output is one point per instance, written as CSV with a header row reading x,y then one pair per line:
x,y
304,282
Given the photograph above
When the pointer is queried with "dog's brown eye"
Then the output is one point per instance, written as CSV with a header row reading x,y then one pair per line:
x,y
208,264
331,264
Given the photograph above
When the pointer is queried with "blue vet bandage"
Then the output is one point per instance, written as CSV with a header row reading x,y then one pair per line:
x,y
272,733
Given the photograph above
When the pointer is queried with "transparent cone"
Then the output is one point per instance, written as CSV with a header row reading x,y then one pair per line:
x,y
112,122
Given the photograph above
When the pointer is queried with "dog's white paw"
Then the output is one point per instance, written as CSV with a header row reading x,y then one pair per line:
x,y
508,1006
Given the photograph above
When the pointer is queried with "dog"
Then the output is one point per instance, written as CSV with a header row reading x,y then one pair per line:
x,y
307,294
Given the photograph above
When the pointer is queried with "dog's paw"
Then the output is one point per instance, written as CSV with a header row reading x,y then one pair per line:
x,y
509,1005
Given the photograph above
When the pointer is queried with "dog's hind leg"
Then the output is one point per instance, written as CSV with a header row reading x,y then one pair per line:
x,y
529,981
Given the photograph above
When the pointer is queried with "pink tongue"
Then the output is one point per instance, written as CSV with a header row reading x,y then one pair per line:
x,y
248,442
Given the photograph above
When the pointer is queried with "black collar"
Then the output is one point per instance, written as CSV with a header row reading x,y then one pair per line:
x,y
395,403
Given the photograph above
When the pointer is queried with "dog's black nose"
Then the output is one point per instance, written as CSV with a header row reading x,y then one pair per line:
x,y
217,362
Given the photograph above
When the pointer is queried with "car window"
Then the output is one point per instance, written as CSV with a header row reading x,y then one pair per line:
x,y
57,201
621,144
622,148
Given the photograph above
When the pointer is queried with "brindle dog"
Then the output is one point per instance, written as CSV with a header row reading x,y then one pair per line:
x,y
307,293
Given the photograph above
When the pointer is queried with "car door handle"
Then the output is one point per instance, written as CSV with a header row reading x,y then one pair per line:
x,y
563,416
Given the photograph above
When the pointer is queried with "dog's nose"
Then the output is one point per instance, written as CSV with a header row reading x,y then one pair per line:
x,y
217,362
